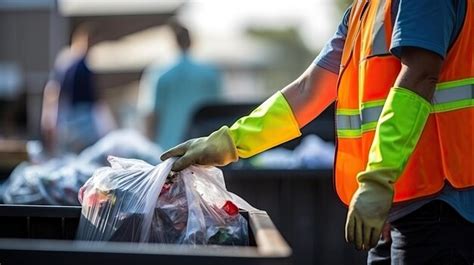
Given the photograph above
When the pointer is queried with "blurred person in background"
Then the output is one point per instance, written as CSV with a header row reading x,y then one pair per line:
x,y
402,72
72,116
180,90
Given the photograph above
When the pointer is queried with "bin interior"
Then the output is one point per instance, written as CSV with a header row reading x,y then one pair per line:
x,y
35,233
51,222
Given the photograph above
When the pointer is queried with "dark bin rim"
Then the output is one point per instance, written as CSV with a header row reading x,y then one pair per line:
x,y
56,211
269,241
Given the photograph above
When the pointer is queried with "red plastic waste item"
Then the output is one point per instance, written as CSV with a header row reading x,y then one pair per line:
x,y
166,187
230,208
97,198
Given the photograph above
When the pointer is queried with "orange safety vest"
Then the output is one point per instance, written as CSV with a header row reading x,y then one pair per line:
x,y
368,71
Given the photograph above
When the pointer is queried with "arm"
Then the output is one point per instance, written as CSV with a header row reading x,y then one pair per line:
x,y
146,102
49,114
275,121
420,71
316,88
151,122
403,118
311,93
161,89
422,33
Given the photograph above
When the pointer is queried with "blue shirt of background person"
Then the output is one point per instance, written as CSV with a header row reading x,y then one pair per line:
x,y
180,91
429,24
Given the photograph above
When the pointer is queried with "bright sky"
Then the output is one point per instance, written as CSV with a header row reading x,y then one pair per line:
x,y
316,19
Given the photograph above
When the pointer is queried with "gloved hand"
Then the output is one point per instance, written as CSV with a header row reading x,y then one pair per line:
x,y
217,149
269,125
399,128
369,209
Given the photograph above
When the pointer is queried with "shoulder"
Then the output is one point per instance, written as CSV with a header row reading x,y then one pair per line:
x,y
169,71
206,69
407,9
209,68
427,24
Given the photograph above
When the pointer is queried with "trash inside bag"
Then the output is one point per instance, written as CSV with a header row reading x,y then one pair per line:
x,y
133,201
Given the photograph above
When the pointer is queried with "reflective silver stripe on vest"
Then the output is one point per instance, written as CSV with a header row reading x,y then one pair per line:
x,y
371,114
453,94
354,122
348,122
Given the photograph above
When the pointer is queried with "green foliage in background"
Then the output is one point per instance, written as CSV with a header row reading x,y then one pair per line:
x,y
343,4
291,56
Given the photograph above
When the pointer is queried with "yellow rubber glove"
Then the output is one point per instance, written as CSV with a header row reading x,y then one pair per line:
x,y
398,130
269,125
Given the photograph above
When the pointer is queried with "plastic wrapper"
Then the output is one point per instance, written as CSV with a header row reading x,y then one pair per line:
x,y
136,202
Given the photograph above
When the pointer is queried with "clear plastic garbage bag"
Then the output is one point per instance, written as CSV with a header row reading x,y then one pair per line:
x,y
136,202
54,182
57,181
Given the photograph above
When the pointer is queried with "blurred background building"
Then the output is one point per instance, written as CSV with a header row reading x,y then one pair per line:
x,y
259,46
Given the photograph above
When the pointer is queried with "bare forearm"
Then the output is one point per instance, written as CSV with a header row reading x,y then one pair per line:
x,y
49,111
150,125
49,115
311,93
420,71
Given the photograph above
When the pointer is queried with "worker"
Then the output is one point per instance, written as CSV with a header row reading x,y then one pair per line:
x,y
73,117
179,90
404,118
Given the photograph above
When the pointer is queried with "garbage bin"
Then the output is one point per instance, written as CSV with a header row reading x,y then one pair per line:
x,y
44,235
